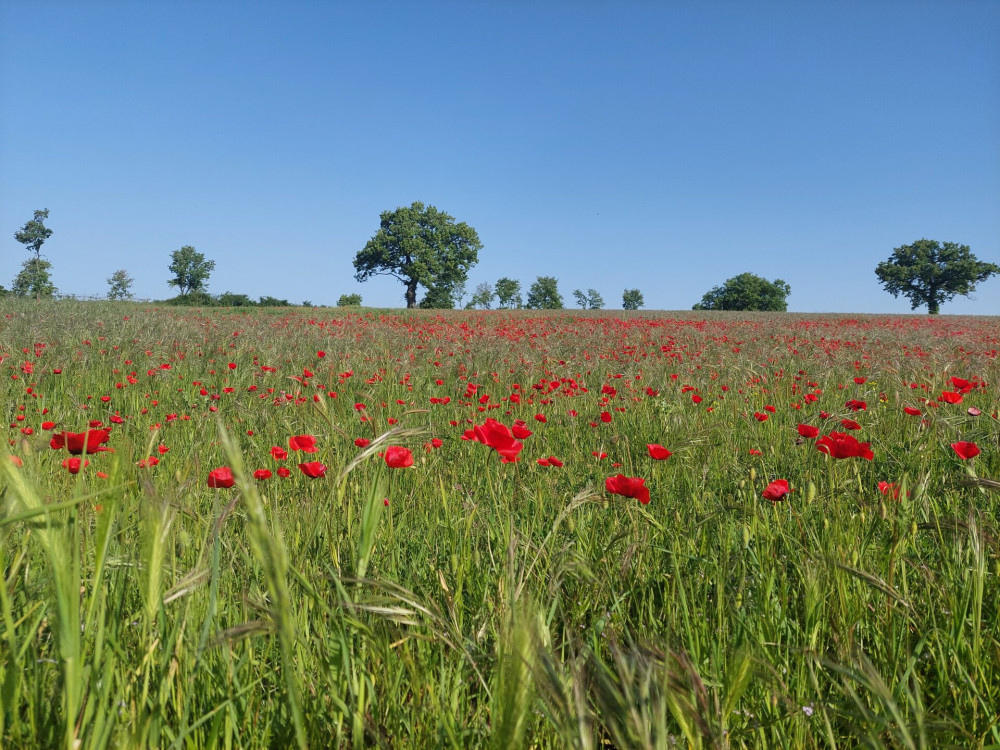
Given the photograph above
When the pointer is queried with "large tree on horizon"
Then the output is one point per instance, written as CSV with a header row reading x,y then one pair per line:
x,y
420,245
930,273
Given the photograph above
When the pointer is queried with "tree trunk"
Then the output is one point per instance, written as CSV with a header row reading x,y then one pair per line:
x,y
411,294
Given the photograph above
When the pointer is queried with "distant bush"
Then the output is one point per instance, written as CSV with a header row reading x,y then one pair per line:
x,y
349,300
268,301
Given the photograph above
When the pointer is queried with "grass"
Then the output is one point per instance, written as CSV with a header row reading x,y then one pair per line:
x,y
465,602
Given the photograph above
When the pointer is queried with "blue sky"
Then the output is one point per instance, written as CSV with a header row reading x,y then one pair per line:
x,y
661,145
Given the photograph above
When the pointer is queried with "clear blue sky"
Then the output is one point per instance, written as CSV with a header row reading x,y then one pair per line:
x,y
659,145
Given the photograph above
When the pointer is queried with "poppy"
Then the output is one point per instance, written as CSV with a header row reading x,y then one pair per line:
x,y
313,469
540,418
761,417
776,490
889,488
73,465
950,397
808,431
362,442
91,441
520,431
605,417
912,411
304,443
965,450
498,437
262,474
855,405
634,487
398,457
221,478
850,424
658,452
278,453
284,472
842,445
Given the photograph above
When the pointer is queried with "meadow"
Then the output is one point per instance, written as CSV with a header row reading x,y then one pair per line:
x,y
337,528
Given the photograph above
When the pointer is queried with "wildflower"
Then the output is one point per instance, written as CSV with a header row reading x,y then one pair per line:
x,y
262,474
304,443
278,453
808,431
776,490
855,405
498,437
842,445
76,443
634,487
362,442
965,450
313,469
221,478
398,457
73,465
658,452
912,411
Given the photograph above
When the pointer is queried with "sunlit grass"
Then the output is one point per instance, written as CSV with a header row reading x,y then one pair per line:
x,y
469,603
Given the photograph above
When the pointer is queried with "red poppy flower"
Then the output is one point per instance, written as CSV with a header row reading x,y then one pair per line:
x,y
912,411
761,417
313,469
605,416
73,465
398,457
860,381
362,442
950,397
48,425
221,478
850,424
776,490
599,455
808,431
540,418
696,399
634,487
262,474
842,445
855,405
76,443
658,452
304,443
889,488
965,450
520,431
498,437
284,472
278,453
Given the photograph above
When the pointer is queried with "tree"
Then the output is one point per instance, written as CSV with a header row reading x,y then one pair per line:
x,y
34,233
544,294
232,299
930,273
439,296
190,270
508,293
34,280
349,300
592,300
632,299
268,301
120,285
747,292
420,245
483,297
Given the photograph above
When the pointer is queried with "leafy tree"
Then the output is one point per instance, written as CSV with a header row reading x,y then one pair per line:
x,y
349,300
930,273
34,233
34,279
747,292
592,300
632,299
508,293
420,245
483,297
269,301
190,270
197,298
231,299
439,297
120,285
544,294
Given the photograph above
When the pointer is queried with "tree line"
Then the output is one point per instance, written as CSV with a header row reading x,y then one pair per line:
x,y
423,247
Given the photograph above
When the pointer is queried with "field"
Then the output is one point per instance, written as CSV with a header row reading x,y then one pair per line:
x,y
210,536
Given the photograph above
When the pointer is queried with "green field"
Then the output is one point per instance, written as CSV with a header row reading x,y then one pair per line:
x,y
466,601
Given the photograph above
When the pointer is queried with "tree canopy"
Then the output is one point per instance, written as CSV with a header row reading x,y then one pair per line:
x,y
420,245
120,285
544,294
34,280
747,292
930,273
632,299
508,293
34,233
190,270
589,300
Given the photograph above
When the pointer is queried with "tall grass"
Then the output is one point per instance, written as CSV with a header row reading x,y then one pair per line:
x,y
470,603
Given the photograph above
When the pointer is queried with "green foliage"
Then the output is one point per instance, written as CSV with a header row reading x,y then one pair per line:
x,y
632,299
34,279
269,301
930,273
591,300
544,294
438,297
747,292
197,298
483,297
231,299
190,270
120,285
419,245
508,293
349,300
34,233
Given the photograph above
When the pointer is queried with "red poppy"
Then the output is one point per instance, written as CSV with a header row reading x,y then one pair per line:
x,y
313,469
808,431
658,452
398,457
696,399
950,397
520,431
965,450
278,453
912,411
842,445
540,418
776,490
850,424
48,425
605,416
599,454
760,416
284,472
855,405
73,465
498,437
221,478
860,381
362,442
76,443
634,487
889,488
262,474
304,443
